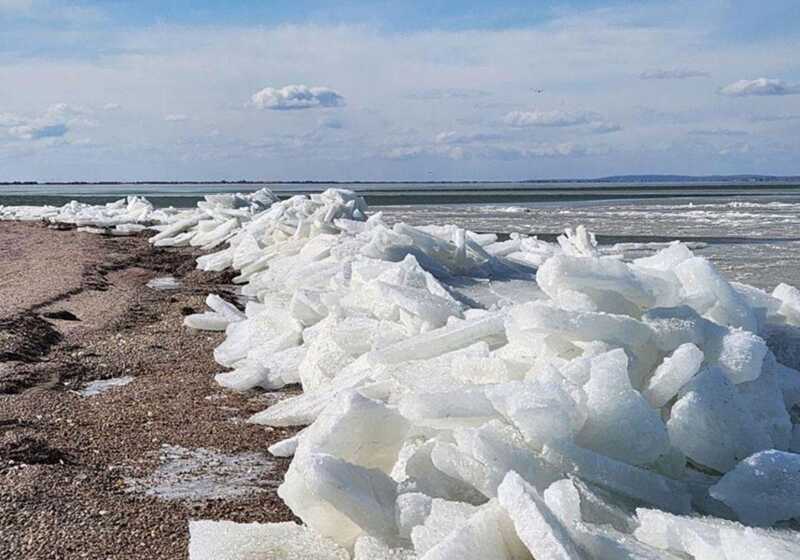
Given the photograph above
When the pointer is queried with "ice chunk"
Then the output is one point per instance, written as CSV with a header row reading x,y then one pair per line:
x,y
790,302
713,539
341,500
370,548
359,430
542,410
764,399
442,518
217,540
451,409
711,425
633,482
536,525
487,533
412,509
620,422
674,372
740,354
710,294
762,489
208,321
223,308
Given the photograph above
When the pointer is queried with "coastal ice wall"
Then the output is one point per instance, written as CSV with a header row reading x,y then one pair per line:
x,y
469,398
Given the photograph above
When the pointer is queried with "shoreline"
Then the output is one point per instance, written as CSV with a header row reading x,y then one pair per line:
x,y
76,308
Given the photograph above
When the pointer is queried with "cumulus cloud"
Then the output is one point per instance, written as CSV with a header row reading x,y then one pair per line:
x,y
673,74
296,97
178,117
549,118
38,131
760,86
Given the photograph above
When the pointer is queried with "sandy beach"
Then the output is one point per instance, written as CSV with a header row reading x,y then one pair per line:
x,y
76,308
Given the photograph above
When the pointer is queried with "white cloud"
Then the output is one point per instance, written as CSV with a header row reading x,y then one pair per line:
x,y
38,131
673,74
760,86
296,97
112,107
549,118
178,117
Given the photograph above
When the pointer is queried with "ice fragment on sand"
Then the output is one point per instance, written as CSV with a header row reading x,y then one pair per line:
x,y
341,500
226,540
103,385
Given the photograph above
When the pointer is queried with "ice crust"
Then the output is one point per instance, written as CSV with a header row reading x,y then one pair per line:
x,y
469,398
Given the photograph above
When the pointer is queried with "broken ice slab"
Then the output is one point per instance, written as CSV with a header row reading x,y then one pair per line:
x,y
762,489
633,482
164,283
226,540
535,524
103,385
713,538
443,340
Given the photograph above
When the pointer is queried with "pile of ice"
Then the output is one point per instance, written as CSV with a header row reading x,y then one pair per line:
x,y
135,213
470,398
601,409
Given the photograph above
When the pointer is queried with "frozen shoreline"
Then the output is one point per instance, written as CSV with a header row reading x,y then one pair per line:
x,y
436,404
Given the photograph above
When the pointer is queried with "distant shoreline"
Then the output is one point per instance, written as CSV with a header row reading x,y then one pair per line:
x,y
643,179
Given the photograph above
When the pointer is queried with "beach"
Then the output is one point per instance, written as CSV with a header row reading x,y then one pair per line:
x,y
75,308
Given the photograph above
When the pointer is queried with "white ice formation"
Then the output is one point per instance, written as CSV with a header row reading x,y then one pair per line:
x,y
465,397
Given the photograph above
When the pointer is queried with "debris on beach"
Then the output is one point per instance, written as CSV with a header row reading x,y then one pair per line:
x,y
465,397
103,385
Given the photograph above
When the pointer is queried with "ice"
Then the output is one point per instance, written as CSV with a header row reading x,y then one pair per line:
x,y
541,410
712,538
359,430
762,489
485,533
711,425
164,283
436,362
541,531
620,423
370,548
674,372
103,385
341,500
630,481
741,355
217,540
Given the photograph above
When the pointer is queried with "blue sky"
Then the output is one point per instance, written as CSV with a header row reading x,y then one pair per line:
x,y
397,90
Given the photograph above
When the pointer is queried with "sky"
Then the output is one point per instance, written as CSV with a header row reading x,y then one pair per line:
x,y
412,90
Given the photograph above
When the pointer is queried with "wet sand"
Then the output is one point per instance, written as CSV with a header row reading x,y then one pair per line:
x,y
74,307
